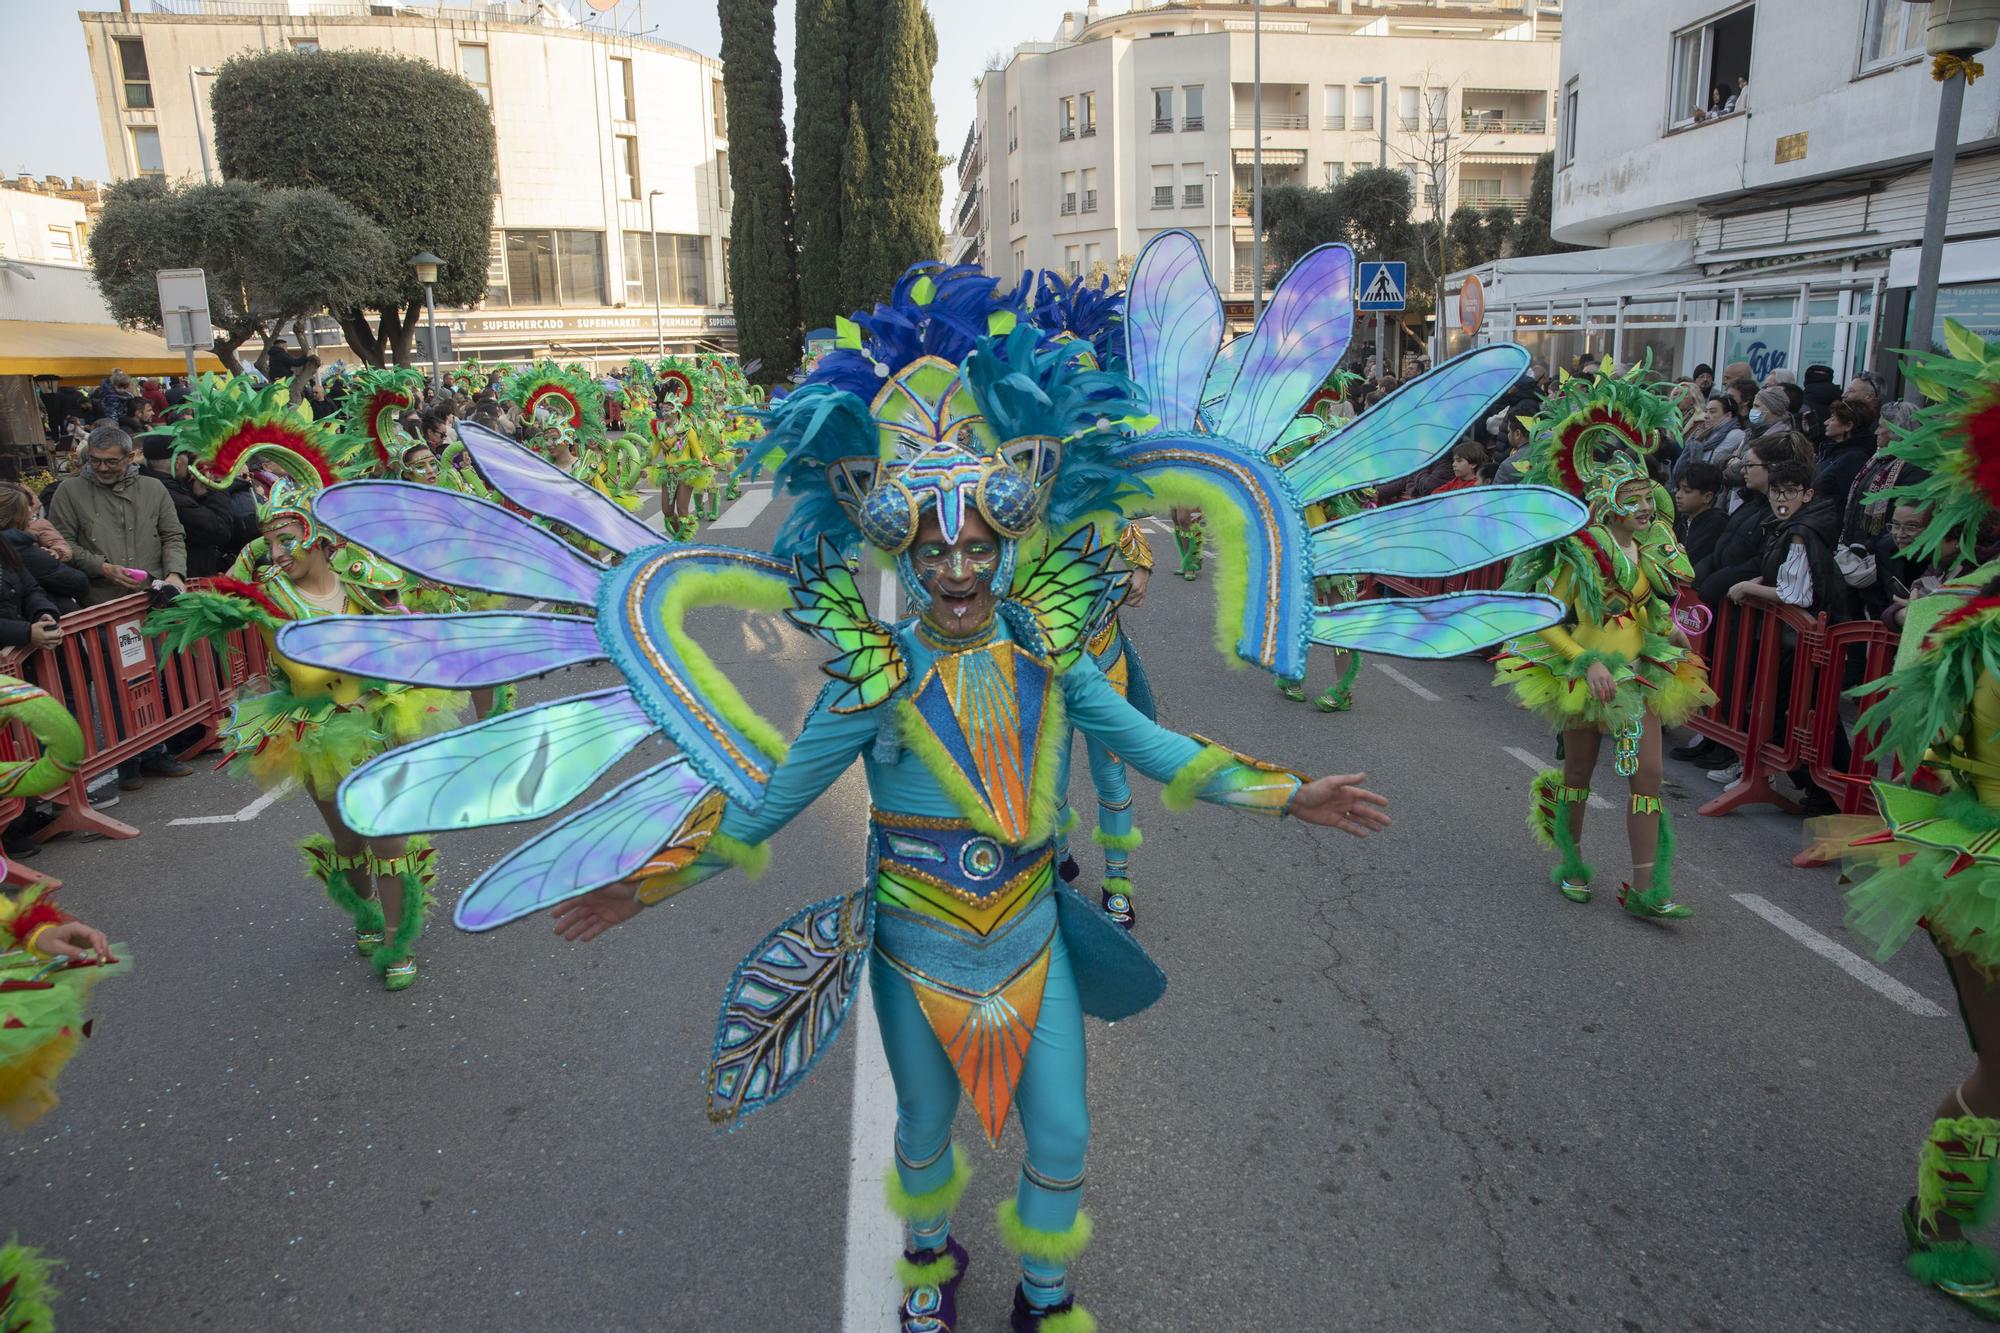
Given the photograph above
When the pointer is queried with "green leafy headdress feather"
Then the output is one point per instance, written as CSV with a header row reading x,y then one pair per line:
x,y
1955,439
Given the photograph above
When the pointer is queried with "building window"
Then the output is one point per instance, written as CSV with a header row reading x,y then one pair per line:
x,y
1013,131
1190,107
723,191
1093,256
1894,29
1090,189
1088,115
1407,101
473,65
549,268
1363,115
718,109
1066,118
580,255
1566,131
1336,172
1073,260
1194,184
628,166
132,68
1020,261
531,268
62,243
1013,201
1334,107
621,89
496,269
146,151
1711,69
1163,185
682,275
728,296
1068,193
1163,110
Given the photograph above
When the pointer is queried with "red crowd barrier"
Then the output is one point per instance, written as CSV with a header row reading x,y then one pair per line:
x,y
128,697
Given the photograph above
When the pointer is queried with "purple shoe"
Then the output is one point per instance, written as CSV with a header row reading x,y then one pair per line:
x,y
1069,870
1069,1317
930,1288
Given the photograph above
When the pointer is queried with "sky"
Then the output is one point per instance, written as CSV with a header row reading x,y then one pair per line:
x,y
51,123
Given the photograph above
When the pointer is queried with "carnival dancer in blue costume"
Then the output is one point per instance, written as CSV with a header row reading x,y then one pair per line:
x,y
979,455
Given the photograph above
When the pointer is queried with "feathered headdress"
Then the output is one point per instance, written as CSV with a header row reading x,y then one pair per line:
x,y
1955,439
574,398
1081,309
375,398
1590,421
944,399
237,430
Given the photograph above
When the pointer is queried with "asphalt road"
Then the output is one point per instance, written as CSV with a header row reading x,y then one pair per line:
x,y
1394,1084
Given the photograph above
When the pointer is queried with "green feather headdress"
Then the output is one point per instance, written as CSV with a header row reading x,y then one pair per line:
x,y
1955,438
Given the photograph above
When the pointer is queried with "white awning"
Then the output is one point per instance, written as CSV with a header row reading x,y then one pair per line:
x,y
1501,159
1273,157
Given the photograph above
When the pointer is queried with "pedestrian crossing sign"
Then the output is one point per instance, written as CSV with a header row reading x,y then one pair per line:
x,y
1383,283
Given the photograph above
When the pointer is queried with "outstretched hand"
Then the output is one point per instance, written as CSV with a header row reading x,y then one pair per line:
x,y
1341,802
581,920
74,939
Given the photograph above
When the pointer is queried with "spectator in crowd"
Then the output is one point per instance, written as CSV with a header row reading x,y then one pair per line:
x,y
1797,567
1744,390
1718,440
1739,547
154,393
1769,413
322,405
1865,388
28,615
66,585
1704,379
1868,505
121,527
1849,431
1688,404
1906,579
112,398
1466,460
43,531
208,523
1820,391
1736,370
1698,520
177,391
278,361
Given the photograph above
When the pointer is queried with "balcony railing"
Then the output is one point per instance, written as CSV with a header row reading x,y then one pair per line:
x,y
1163,124
1089,130
971,202
1191,196
1407,122
1333,123
1163,196
1090,201
1273,120
1361,121
1066,133
1489,124
1193,122
1069,203
1513,203
1239,204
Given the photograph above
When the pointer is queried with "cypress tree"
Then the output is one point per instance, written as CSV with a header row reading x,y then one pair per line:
x,y
821,104
859,235
906,188
763,260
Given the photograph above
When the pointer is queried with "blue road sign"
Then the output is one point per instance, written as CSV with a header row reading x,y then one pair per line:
x,y
1383,283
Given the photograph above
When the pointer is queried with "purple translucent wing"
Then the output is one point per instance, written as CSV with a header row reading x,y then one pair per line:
x,y
506,770
602,843
458,540
1173,324
1434,627
1411,427
1294,347
1446,534
543,488
466,651
1222,374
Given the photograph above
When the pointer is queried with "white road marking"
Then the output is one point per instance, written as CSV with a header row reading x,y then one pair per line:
x,y
1841,957
744,511
874,1235
1407,683
1534,762
538,606
247,813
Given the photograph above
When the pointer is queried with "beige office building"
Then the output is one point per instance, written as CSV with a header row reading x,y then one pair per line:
x,y
604,140
1126,124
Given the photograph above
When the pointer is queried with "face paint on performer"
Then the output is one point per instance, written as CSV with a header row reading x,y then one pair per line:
x,y
1631,508
421,465
290,551
957,576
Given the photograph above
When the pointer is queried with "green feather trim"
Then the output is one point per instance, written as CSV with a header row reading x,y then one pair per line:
x,y
197,616
24,1274
936,1273
1964,806
1076,1319
1928,698
1187,785
1116,842
1578,667
335,874
1049,1247
1544,810
740,590
1070,820
1230,530
1933,1161
752,858
1961,1263
1044,802
1571,868
930,752
931,1204
416,903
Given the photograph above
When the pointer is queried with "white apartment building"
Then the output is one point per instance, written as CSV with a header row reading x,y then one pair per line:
x,y
47,220
604,140
1782,232
1127,124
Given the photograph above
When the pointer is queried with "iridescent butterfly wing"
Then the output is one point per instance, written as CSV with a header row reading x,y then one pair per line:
x,y
462,651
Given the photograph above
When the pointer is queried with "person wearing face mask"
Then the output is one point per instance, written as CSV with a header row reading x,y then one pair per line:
x,y
1770,413
980,455
308,727
1618,665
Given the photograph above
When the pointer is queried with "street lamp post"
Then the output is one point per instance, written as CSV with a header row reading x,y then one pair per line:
x,y
659,320
1381,161
1958,30
194,94
1257,160
427,265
